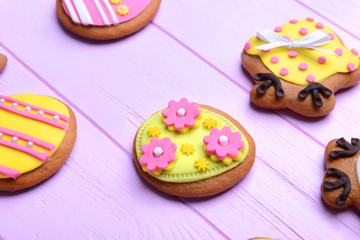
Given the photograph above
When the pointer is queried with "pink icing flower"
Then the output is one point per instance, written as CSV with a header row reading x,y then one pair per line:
x,y
223,143
181,114
158,154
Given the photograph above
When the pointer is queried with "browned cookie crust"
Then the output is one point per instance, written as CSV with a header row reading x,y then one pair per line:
x,y
47,169
109,32
210,186
340,187
291,99
3,61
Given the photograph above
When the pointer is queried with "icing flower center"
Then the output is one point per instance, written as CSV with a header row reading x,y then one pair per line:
x,y
181,112
223,140
158,152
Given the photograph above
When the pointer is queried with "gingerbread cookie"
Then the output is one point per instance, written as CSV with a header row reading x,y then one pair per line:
x,y
299,66
192,150
341,184
37,134
3,61
106,19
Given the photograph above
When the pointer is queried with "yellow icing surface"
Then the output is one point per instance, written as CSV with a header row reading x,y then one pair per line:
x,y
18,160
334,64
184,169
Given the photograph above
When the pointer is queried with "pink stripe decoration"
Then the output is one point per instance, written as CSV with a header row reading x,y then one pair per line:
x,y
9,172
9,132
41,156
34,117
49,112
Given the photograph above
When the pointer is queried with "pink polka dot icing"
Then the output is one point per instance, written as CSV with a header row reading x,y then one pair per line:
x,y
293,21
309,19
278,29
322,59
339,51
274,59
302,61
351,67
354,51
265,51
303,66
319,25
303,31
284,71
286,37
310,78
247,46
293,53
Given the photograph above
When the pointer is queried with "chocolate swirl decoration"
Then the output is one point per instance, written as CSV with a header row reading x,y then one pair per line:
x,y
343,181
350,149
315,89
269,79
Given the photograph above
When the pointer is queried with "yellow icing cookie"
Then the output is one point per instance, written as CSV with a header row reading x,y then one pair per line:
x,y
192,163
299,66
31,129
199,151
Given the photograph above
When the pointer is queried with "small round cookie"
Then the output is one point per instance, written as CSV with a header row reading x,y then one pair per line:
x,y
106,19
3,61
37,134
341,184
299,66
192,150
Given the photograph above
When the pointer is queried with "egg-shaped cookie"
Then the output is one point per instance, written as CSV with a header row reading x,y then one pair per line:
x,y
106,19
192,150
37,134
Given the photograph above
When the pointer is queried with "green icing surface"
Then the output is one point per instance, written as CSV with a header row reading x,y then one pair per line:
x,y
184,166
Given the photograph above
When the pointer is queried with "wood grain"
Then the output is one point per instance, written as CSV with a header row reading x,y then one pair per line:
x,y
192,51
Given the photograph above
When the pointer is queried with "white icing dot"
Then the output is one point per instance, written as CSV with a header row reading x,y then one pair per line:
x,y
14,139
40,112
158,152
56,118
123,7
1,135
27,109
30,144
223,140
2,100
180,112
14,105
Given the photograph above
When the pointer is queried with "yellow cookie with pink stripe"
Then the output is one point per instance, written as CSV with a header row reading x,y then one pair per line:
x,y
37,134
299,66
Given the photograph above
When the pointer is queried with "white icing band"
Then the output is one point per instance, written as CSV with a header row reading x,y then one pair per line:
x,y
358,169
111,11
312,40
102,13
83,12
71,10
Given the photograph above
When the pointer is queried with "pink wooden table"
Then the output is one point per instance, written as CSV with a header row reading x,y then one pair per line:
x,y
114,86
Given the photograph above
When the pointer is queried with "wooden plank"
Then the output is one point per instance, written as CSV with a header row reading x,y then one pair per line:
x,y
134,88
97,193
